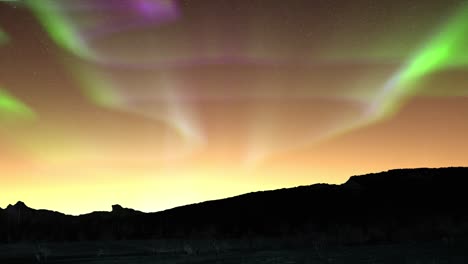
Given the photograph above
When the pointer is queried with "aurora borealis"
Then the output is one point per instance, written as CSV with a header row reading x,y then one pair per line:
x,y
158,103
3,37
10,107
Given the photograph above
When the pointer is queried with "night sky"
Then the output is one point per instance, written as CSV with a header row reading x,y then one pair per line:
x,y
158,103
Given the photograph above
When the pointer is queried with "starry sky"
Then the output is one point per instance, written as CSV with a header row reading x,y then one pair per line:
x,y
154,104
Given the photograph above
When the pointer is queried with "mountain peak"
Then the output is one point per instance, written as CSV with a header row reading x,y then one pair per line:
x,y
117,208
18,205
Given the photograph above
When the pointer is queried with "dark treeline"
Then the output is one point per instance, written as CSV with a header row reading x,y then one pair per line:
x,y
394,206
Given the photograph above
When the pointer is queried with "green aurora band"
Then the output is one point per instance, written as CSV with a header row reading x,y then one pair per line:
x,y
59,28
62,31
13,109
447,49
3,37
443,51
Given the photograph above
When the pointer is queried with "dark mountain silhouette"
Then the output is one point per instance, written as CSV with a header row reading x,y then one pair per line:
x,y
398,205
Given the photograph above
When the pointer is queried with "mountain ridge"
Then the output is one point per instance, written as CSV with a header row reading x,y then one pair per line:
x,y
350,180
385,206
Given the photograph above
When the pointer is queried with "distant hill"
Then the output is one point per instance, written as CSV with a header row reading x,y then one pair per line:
x,y
398,205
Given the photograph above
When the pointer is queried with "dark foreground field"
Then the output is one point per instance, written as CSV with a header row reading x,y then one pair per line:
x,y
235,252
